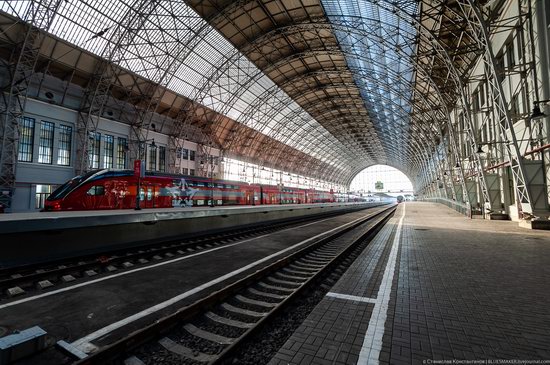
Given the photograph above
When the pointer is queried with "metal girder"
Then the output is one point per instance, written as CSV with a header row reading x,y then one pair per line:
x,y
440,66
440,49
472,13
98,90
331,25
38,18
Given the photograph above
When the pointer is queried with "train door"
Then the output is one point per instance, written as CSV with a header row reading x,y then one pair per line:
x,y
148,196
250,197
262,195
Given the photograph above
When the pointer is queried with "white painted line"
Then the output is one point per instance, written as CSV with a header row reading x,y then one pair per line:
x,y
372,344
351,297
76,286
84,343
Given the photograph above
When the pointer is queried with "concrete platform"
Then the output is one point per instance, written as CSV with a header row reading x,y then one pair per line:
x,y
34,237
438,287
100,310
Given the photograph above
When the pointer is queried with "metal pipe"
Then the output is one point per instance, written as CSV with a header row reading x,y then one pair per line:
x,y
502,164
538,149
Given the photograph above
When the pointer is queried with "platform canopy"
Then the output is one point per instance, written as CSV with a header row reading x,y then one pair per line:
x,y
322,88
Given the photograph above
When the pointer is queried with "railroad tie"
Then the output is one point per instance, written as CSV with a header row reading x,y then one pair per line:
x,y
297,272
186,352
308,265
206,335
230,308
303,268
259,303
266,294
227,321
291,277
282,282
273,287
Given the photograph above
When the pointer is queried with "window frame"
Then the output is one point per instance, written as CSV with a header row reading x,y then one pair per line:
x,y
122,146
26,124
65,145
94,149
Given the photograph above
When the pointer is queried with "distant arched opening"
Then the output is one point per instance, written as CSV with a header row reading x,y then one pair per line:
x,y
382,181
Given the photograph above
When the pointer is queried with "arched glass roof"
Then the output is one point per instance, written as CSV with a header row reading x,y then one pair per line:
x,y
347,83
386,108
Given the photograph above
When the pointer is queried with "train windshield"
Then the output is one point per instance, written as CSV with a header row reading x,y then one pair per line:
x,y
66,188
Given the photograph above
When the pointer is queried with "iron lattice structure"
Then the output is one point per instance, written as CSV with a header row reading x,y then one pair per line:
x,y
320,88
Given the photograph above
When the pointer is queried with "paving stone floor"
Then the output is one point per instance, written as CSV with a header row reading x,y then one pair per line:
x,y
462,290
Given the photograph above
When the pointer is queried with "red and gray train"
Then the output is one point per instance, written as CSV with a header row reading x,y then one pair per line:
x,y
117,189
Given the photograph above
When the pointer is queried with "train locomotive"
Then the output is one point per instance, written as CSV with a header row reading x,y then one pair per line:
x,y
117,189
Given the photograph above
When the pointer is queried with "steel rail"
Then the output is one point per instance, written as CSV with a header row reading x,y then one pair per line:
x,y
122,347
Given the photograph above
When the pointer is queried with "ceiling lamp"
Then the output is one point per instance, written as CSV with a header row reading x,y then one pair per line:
x,y
537,113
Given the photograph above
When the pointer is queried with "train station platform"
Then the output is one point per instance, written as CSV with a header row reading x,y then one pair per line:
x,y
54,235
434,286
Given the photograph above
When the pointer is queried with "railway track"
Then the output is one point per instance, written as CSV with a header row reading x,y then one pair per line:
x,y
23,280
211,330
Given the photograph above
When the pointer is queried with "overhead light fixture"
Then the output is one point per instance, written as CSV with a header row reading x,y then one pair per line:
x,y
537,113
153,144
479,150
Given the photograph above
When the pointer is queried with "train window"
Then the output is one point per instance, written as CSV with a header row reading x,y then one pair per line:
x,y
149,193
220,186
219,202
96,190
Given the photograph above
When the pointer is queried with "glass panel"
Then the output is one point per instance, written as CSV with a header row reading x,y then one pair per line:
x,y
65,145
26,139
42,192
96,190
162,159
45,144
94,145
108,151
152,158
122,147
168,35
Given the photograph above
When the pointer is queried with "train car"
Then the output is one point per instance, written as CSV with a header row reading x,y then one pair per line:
x,y
349,198
400,198
318,196
117,189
